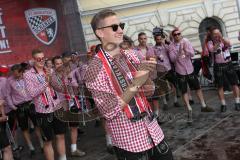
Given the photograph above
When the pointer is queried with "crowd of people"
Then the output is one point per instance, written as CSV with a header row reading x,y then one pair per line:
x,y
121,80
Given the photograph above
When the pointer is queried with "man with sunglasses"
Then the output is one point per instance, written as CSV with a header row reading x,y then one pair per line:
x,y
116,78
45,99
180,53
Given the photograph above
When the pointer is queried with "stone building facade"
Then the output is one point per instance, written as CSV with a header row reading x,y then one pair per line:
x,y
192,17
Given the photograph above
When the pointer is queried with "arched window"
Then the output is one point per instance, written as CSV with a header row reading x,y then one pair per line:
x,y
208,22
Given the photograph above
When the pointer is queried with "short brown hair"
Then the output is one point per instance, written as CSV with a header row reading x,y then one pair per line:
x,y
141,33
55,58
96,20
128,40
17,67
36,51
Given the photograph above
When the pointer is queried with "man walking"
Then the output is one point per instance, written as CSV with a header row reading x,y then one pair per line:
x,y
44,98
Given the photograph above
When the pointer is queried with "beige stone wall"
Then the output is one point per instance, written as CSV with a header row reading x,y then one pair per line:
x,y
96,4
185,16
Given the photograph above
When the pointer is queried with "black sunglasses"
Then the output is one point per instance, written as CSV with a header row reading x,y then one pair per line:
x,y
177,34
115,26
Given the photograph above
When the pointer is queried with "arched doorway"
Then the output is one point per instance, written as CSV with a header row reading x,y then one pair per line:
x,y
208,22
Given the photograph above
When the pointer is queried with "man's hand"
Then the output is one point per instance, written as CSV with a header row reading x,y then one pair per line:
x,y
226,42
4,118
1,102
181,49
163,40
185,47
140,78
48,74
14,108
216,46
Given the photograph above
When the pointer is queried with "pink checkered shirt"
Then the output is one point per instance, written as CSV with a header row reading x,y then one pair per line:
x,y
60,84
80,73
36,85
182,61
3,94
219,58
163,61
150,53
131,136
17,92
141,56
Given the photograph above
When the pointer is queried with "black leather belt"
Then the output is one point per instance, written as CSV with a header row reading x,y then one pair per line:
x,y
23,104
142,116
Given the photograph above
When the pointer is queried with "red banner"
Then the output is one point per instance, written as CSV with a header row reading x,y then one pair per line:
x,y
29,24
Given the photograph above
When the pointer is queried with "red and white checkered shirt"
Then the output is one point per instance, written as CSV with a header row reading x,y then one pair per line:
x,y
36,85
136,136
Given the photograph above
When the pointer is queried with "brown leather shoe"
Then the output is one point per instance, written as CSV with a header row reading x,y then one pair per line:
x,y
207,109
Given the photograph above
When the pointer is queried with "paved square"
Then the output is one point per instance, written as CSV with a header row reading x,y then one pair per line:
x,y
212,136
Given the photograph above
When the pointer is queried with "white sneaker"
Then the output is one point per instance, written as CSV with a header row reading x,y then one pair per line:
x,y
228,92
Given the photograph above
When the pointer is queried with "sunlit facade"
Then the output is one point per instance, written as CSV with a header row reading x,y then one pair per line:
x,y
191,16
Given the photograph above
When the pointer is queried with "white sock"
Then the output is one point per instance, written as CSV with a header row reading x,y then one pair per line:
x,y
190,97
203,104
108,139
31,125
41,142
223,102
31,146
175,99
63,157
237,100
156,112
73,147
189,107
164,100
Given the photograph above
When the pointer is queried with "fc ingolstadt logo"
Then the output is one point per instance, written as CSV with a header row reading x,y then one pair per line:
x,y
43,24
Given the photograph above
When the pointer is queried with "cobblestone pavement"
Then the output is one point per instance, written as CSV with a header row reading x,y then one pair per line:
x,y
211,135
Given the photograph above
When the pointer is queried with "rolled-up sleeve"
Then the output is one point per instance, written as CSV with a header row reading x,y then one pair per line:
x,y
188,48
107,101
